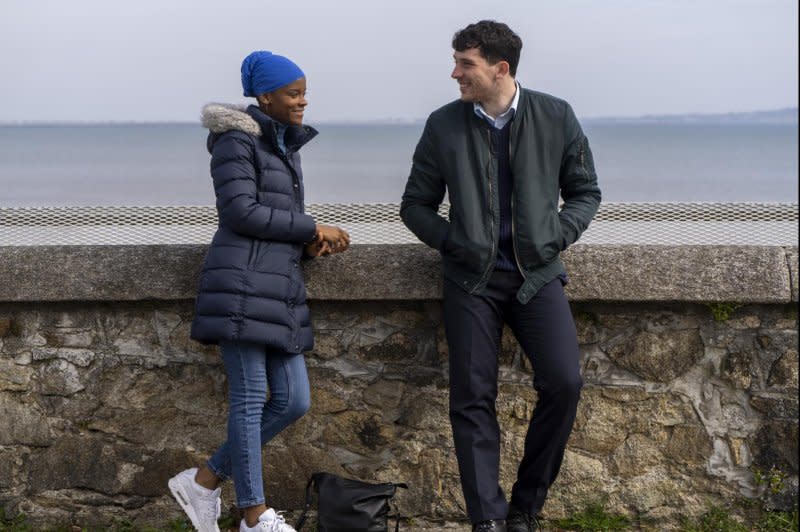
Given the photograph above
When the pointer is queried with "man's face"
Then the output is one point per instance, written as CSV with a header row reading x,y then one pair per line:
x,y
476,78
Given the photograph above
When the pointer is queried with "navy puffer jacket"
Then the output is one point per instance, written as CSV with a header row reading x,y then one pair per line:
x,y
251,287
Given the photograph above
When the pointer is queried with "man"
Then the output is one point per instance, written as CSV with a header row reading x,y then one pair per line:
x,y
503,154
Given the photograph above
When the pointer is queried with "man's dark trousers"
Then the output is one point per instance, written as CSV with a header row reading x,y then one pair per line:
x,y
545,330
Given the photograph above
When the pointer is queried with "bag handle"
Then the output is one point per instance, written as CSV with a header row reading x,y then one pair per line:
x,y
309,498
397,516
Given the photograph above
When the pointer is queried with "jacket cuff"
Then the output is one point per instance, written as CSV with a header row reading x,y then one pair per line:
x,y
305,227
443,240
569,234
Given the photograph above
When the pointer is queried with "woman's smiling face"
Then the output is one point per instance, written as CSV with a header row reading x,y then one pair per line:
x,y
286,104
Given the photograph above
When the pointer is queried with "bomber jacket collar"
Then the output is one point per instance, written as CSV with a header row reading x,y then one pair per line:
x,y
521,100
518,122
506,116
219,118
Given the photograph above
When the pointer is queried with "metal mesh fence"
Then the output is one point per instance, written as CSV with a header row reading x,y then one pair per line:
x,y
379,223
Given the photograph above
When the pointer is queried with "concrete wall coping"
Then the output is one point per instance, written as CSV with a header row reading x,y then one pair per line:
x,y
745,274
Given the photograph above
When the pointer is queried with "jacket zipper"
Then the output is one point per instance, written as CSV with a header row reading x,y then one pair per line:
x,y
290,300
295,180
284,156
514,238
513,225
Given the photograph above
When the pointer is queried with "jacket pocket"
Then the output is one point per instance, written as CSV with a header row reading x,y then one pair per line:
x,y
464,254
279,258
549,251
252,259
546,245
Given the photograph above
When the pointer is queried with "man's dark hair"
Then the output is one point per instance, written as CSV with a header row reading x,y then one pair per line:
x,y
494,40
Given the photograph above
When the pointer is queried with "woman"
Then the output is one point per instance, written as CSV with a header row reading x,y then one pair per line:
x,y
252,298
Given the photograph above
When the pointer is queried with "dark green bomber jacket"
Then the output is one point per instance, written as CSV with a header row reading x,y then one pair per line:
x,y
549,154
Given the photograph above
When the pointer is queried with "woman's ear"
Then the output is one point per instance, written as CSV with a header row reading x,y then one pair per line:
x,y
263,99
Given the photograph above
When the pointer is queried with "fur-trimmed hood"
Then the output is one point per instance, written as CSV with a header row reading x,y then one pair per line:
x,y
221,117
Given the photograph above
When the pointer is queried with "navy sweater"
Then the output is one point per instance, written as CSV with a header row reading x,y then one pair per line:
x,y
505,179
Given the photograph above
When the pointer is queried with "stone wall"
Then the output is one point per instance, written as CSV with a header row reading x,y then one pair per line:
x,y
690,363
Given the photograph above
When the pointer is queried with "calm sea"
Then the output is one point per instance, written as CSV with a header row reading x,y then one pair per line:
x,y
168,164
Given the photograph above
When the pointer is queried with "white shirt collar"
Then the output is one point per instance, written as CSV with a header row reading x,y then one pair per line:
x,y
504,118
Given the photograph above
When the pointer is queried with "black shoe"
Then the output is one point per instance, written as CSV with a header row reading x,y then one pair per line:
x,y
519,521
494,525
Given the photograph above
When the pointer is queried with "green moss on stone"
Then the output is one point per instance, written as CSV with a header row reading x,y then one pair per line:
x,y
723,311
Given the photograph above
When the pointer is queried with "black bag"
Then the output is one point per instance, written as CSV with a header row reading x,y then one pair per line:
x,y
346,505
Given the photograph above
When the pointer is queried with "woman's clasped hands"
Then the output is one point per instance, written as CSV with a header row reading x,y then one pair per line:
x,y
328,239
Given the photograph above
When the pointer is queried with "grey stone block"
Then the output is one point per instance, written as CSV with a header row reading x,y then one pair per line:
x,y
747,274
99,273
791,261
401,272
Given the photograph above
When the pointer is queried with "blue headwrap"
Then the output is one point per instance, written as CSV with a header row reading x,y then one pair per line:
x,y
264,72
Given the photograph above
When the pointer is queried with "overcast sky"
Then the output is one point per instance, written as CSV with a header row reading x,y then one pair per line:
x,y
161,60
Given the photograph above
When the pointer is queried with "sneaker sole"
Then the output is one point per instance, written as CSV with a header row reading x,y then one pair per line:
x,y
183,500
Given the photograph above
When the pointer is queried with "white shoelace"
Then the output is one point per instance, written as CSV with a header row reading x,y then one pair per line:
x,y
211,510
276,525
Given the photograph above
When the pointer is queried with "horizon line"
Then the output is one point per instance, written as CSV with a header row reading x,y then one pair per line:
x,y
399,121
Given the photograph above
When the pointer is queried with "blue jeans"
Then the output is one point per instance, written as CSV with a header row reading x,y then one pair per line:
x,y
252,370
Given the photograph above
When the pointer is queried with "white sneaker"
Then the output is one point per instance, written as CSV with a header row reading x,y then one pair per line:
x,y
202,505
269,521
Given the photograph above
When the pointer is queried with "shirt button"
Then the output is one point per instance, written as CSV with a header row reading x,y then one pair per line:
x,y
296,185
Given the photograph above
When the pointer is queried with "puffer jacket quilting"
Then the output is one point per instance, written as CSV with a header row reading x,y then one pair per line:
x,y
251,287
